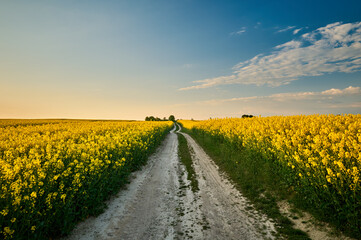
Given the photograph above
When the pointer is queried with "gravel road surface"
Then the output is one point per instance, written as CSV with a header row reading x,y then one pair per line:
x,y
159,203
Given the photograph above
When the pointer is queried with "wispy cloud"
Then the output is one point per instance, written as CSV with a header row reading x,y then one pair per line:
x,y
282,97
332,100
297,30
258,24
239,32
333,48
346,105
286,29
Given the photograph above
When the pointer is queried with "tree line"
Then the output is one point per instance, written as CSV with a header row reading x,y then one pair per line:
x,y
152,118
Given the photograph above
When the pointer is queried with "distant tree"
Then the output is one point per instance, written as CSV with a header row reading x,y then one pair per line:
x,y
247,116
171,118
152,118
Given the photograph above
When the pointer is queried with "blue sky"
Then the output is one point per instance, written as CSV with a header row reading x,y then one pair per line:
x,y
193,59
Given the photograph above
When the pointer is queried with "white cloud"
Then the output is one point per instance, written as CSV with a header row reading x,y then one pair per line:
x,y
330,101
206,83
333,48
327,94
239,32
347,91
286,29
289,45
297,30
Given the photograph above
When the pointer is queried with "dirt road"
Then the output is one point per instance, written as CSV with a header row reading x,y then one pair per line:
x,y
159,203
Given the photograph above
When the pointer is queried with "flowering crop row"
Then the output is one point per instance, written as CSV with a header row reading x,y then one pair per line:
x,y
318,156
54,173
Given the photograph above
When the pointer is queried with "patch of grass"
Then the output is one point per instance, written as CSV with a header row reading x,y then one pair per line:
x,y
186,159
255,177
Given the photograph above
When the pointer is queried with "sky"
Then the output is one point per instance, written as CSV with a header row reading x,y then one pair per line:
x,y
192,59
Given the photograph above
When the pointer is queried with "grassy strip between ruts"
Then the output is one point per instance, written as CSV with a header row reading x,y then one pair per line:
x,y
254,177
176,127
186,159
